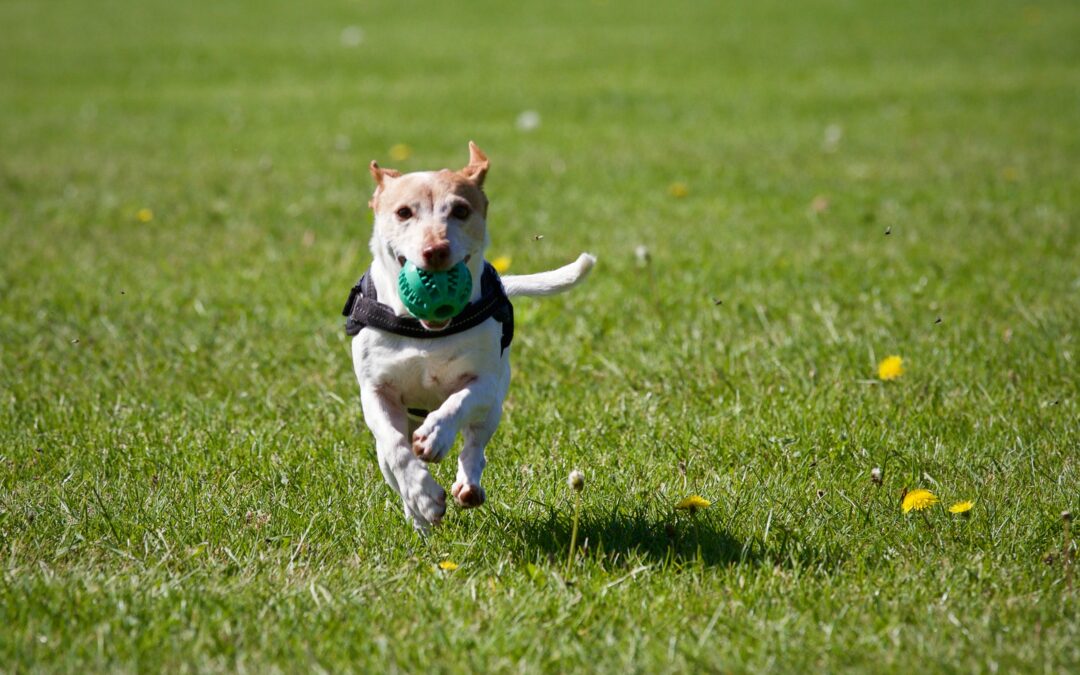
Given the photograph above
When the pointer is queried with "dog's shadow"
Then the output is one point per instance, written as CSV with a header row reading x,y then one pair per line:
x,y
618,536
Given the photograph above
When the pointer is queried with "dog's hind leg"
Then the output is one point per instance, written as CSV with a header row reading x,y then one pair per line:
x,y
424,499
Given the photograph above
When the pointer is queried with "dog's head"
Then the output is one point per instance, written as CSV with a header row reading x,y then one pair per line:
x,y
433,219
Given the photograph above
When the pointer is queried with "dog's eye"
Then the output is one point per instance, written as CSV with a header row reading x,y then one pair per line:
x,y
404,213
460,211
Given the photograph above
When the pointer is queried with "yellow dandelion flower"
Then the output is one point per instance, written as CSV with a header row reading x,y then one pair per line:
x,y
399,152
918,499
678,190
144,215
890,368
448,565
961,507
501,264
693,503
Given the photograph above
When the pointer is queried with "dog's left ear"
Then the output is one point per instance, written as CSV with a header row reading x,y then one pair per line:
x,y
478,165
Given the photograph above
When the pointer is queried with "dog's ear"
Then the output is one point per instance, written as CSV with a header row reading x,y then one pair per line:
x,y
478,165
380,175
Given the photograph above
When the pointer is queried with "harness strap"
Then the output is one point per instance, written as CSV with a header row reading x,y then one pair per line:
x,y
363,309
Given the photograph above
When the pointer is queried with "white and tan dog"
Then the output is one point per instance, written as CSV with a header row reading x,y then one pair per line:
x,y
436,219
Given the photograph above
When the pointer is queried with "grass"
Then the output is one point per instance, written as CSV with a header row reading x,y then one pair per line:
x,y
185,479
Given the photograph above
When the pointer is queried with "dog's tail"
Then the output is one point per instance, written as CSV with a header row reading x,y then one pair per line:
x,y
551,282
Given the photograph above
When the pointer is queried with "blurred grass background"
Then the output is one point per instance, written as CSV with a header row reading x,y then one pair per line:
x,y
186,480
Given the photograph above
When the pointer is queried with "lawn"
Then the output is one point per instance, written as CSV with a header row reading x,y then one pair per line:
x,y
186,482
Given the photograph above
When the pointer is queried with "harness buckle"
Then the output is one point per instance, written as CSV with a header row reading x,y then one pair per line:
x,y
352,298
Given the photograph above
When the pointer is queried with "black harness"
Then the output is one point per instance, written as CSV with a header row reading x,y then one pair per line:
x,y
363,309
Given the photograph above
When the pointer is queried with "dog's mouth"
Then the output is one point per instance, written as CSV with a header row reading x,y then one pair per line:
x,y
433,326
401,260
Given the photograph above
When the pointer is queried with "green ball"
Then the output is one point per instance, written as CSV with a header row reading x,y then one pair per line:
x,y
435,296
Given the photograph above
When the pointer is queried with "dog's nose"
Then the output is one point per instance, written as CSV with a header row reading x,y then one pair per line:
x,y
437,255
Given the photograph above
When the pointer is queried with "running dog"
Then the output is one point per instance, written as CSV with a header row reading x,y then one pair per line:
x,y
423,382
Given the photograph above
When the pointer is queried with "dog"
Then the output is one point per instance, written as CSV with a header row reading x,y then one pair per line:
x,y
423,382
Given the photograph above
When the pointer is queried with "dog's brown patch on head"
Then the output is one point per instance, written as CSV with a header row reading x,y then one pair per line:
x,y
395,191
453,182
424,190
380,175
467,183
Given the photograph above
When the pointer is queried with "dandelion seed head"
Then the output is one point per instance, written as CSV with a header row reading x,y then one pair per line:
x,y
352,36
576,481
528,120
833,134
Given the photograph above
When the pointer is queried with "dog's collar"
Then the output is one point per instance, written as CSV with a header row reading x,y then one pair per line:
x,y
363,309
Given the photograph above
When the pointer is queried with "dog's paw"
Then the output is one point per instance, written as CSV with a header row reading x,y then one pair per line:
x,y
468,495
425,503
431,442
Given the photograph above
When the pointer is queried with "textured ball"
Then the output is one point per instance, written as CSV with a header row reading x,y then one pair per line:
x,y
435,296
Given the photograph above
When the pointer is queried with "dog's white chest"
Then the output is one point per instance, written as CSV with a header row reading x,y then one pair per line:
x,y
425,372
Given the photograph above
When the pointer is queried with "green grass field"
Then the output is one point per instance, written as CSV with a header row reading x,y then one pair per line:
x,y
186,482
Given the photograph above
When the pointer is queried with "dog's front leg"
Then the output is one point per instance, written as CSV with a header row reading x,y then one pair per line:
x,y
425,500
468,404
475,409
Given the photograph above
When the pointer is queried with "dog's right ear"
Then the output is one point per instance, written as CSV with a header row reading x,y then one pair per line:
x,y
380,175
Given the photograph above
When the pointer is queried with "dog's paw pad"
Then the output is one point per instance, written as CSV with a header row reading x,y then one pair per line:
x,y
468,495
